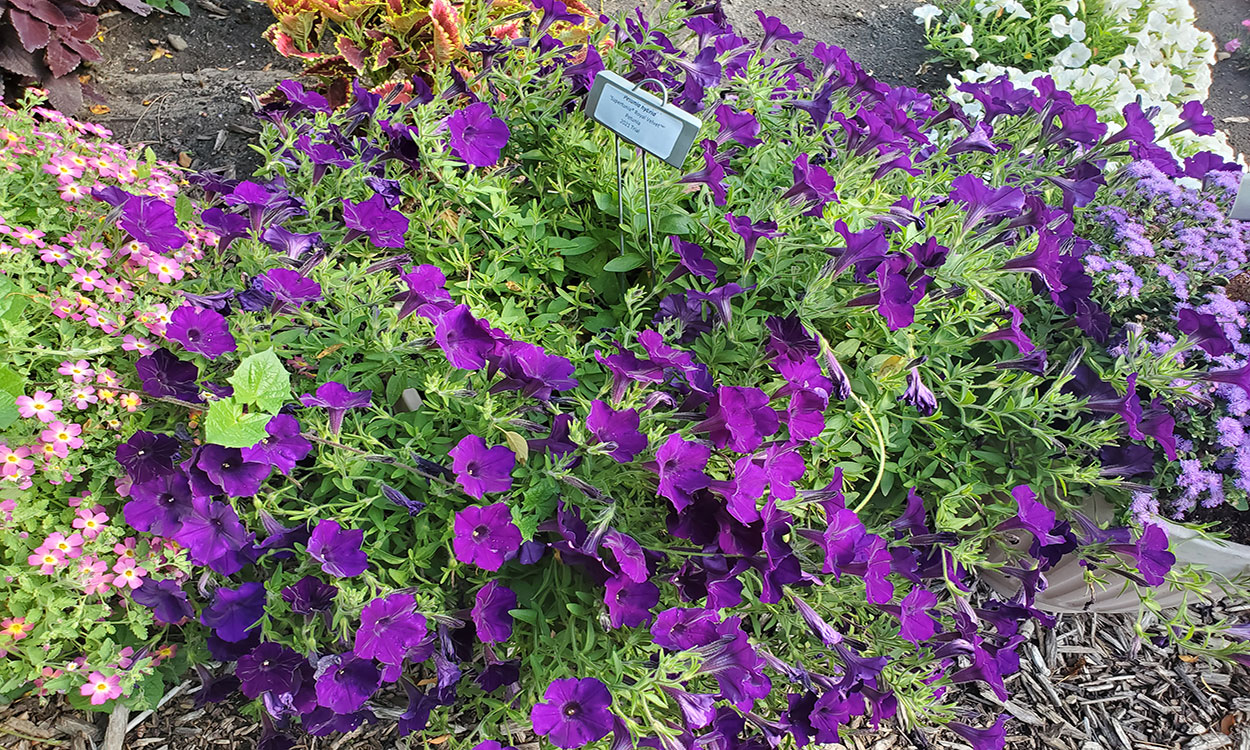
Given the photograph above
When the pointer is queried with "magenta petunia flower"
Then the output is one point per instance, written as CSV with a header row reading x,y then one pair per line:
x,y
491,607
476,135
200,330
336,400
480,469
681,465
618,429
338,549
485,536
739,418
384,226
390,629
575,712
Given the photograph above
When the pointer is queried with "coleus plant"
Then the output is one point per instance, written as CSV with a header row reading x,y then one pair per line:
x,y
46,41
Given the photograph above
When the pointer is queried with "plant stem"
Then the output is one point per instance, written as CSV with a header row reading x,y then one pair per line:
x,y
880,453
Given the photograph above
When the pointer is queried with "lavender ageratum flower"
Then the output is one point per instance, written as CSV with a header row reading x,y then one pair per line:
x,y
345,682
992,738
480,469
226,468
491,606
390,629
310,596
290,286
629,602
210,531
283,447
235,611
574,712
739,418
165,598
384,226
620,428
147,455
918,394
690,259
1204,330
752,232
680,465
164,375
476,135
338,549
158,505
712,176
203,331
153,222
485,536
775,31
269,668
736,126
336,400
1013,332
465,340
684,628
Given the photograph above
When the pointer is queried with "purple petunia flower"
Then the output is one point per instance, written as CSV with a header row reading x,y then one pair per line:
x,y
1239,377
476,135
289,286
739,418
1032,516
982,202
680,465
283,447
480,469
719,298
1013,332
752,232
345,682
574,712
211,531
292,245
813,184
684,628
338,549
915,622
736,126
690,259
153,222
390,629
619,428
309,596
235,611
712,175
226,468
200,330
485,536
918,394
147,455
1150,552
991,738
629,602
269,668
868,247
165,598
159,504
776,31
426,294
491,607
465,340
164,375
336,400
1204,329
384,226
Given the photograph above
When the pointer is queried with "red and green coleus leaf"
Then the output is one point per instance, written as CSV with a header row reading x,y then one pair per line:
x,y
351,52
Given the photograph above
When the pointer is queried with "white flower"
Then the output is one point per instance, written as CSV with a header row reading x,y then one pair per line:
x,y
926,13
973,53
1075,56
1072,6
965,35
1016,10
1060,26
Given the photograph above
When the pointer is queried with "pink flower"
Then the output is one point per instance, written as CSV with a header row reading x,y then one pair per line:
x,y
90,522
47,560
40,406
15,627
105,376
91,567
128,574
93,318
72,192
83,397
14,461
131,401
1232,45
52,451
80,371
125,548
166,270
61,167
55,254
70,546
164,653
65,308
87,279
133,344
98,584
29,237
118,291
64,435
101,689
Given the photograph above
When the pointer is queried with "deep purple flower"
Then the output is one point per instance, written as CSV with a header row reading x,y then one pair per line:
x,y
992,738
915,622
1150,553
283,447
1137,127
719,298
292,245
1013,332
200,330
684,628
153,222
211,531
620,428
310,596
390,629
982,202
465,340
1160,425
253,195
553,11
812,183
235,611
1239,377
629,602
165,598
269,668
739,418
336,400
776,31
476,135
557,443
690,259
163,374
1204,329
384,226
480,469
485,536
1104,399
738,667
414,507
426,294
681,466
1034,362
530,370
338,549
575,712
226,468
868,247
1195,118
491,606
1032,516
227,226
147,455
290,286
918,394
736,126
752,232
345,682
712,175
896,297
159,504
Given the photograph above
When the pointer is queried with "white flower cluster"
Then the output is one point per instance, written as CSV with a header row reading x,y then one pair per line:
x,y
1168,63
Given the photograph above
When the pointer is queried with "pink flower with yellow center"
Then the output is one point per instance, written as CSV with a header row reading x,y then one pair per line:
x,y
118,291
87,279
80,371
72,192
131,401
15,627
90,522
101,689
125,549
93,318
30,237
98,584
63,435
164,653
91,567
55,254
105,376
70,546
166,270
135,344
62,168
51,452
64,308
134,247
83,397
41,406
129,172
128,573
14,461
47,560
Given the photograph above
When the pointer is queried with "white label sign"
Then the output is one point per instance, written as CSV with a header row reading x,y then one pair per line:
x,y
638,122
1241,207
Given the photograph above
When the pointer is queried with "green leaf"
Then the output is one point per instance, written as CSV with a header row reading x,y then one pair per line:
x,y
11,381
624,263
679,224
226,424
261,380
180,7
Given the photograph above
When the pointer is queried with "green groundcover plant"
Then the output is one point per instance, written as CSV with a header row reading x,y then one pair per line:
x,y
443,433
